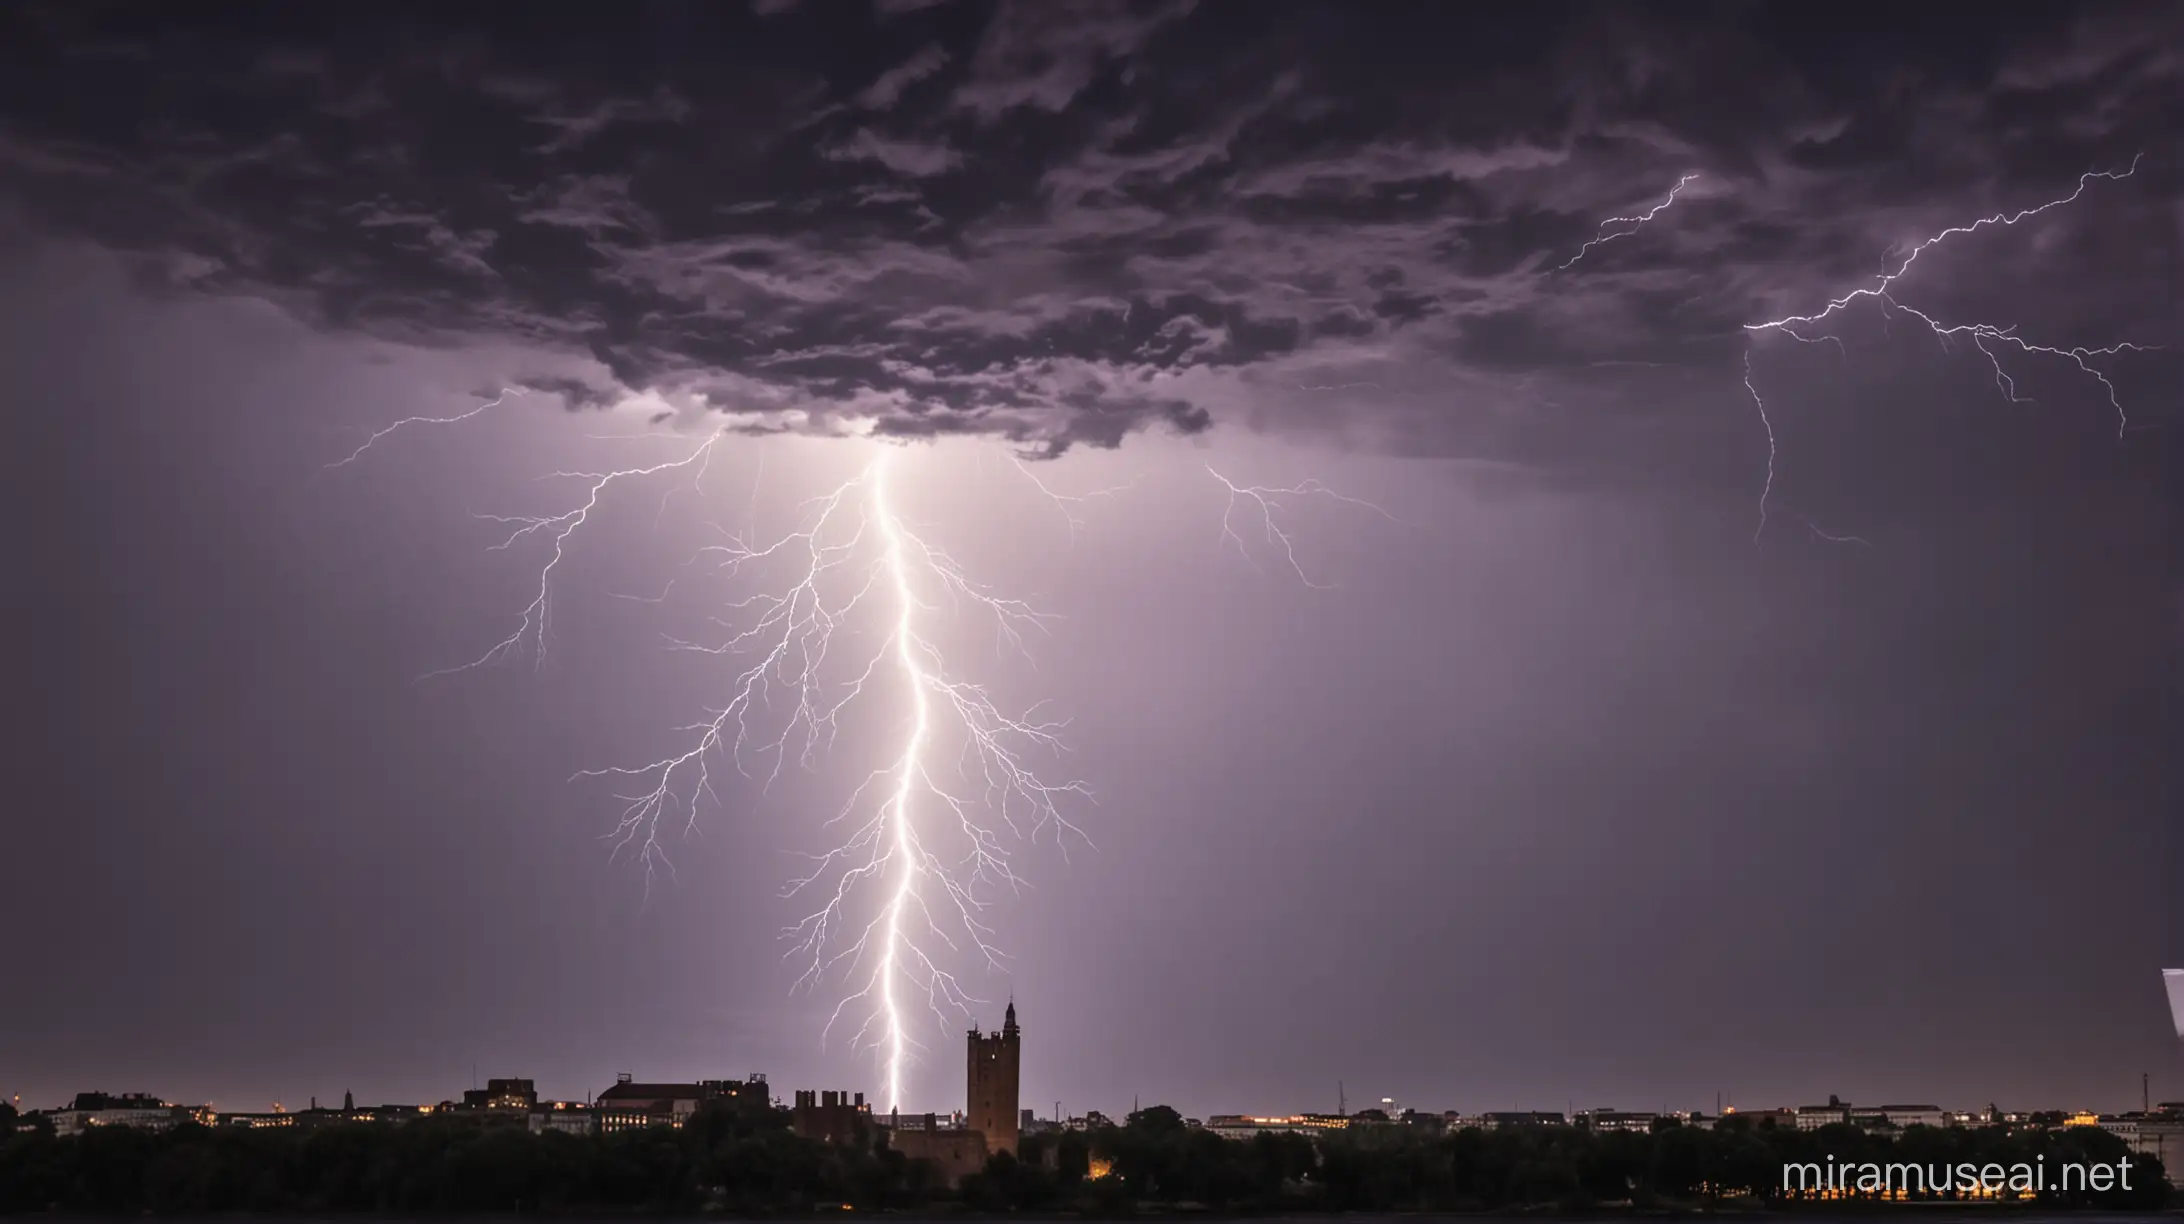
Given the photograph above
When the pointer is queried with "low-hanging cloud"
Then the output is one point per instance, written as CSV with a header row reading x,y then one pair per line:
x,y
1063,225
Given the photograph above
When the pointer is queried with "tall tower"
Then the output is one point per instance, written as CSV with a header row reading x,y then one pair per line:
x,y
992,1098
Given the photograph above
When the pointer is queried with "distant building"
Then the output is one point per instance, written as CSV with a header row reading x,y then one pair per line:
x,y
2159,1134
135,1109
1606,1119
1499,1119
351,1113
991,1096
1244,1126
565,1118
1813,1117
831,1117
956,1150
258,1121
630,1105
1761,1119
1896,1117
2010,1118
2162,1136
509,1096
1419,1119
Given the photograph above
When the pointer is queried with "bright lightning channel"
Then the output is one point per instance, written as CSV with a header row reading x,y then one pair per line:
x,y
1980,334
924,833
1602,235
933,848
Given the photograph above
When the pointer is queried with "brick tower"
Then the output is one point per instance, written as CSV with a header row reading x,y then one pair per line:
x,y
992,1098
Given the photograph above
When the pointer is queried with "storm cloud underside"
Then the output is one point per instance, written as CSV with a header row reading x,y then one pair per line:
x,y
1062,226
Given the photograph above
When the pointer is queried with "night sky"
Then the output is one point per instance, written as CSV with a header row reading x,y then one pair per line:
x,y
1625,760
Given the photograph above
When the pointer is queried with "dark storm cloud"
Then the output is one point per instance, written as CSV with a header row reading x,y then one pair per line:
x,y
1063,224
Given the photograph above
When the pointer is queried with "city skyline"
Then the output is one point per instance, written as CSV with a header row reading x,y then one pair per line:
x,y
1591,554
992,1098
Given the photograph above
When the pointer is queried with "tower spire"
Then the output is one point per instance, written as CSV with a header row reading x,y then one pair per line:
x,y
991,1105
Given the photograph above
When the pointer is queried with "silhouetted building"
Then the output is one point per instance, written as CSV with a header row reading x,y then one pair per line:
x,y
1813,1117
630,1105
1244,1126
2162,1136
751,1093
136,1109
1896,1117
991,1101
957,1151
1423,1120
1609,1119
514,1096
831,1117
565,1118
1497,1119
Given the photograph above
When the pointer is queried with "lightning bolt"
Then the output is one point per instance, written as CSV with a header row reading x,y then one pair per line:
x,y
923,843
405,422
1766,422
1981,335
1070,504
1603,235
1268,502
932,841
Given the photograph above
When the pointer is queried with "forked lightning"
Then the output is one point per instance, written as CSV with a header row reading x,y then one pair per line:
x,y
1603,234
1982,335
927,836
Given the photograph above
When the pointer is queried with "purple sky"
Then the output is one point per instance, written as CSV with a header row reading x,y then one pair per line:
x,y
1564,789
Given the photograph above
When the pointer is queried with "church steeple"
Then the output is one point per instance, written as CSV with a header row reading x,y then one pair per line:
x,y
1008,1019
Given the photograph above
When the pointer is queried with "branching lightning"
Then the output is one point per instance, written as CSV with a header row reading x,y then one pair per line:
x,y
1982,335
840,620
929,840
457,419
1269,502
1603,234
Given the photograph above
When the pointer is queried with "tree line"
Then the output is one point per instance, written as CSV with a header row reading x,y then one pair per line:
x,y
751,1163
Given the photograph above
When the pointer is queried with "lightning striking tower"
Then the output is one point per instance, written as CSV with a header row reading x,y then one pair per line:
x,y
925,840
1988,338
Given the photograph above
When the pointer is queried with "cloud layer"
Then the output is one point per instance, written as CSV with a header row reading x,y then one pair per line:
x,y
1062,224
